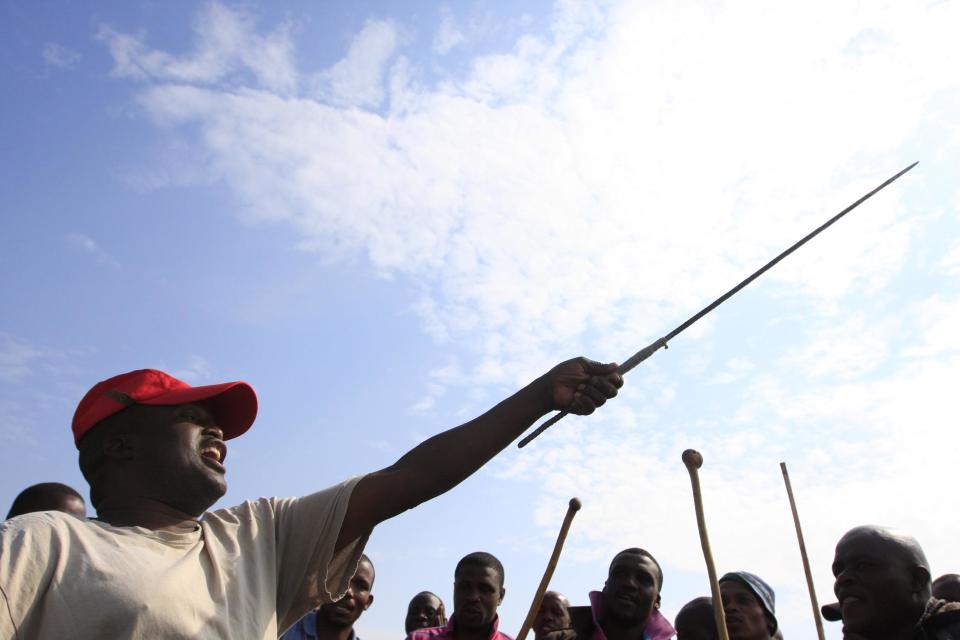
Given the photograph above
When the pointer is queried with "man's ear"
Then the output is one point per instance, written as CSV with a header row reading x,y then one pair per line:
x,y
656,603
120,446
503,592
369,602
920,579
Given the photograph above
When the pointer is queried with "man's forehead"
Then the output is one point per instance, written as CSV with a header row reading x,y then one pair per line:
x,y
735,586
475,572
865,540
427,599
632,561
364,567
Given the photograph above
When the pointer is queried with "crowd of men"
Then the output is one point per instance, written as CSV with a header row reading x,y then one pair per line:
x,y
155,563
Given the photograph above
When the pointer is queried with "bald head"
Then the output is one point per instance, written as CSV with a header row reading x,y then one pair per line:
x,y
425,610
882,580
48,496
552,614
695,620
947,587
901,544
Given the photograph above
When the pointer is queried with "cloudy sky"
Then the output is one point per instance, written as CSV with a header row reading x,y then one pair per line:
x,y
387,219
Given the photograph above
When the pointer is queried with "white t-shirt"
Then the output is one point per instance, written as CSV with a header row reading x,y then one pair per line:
x,y
247,572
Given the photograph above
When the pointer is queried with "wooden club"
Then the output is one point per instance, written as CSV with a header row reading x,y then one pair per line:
x,y
693,461
803,552
551,566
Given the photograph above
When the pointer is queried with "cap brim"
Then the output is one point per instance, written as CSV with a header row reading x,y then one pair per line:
x,y
831,612
234,404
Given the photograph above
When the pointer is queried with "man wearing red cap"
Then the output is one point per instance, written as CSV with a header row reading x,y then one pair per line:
x,y
155,564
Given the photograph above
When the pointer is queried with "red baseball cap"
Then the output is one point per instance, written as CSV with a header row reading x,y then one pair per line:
x,y
234,404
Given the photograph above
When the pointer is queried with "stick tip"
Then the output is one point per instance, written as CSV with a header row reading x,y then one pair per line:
x,y
692,458
575,504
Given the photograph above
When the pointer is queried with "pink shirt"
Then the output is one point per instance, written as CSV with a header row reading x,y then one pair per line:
x,y
658,627
446,633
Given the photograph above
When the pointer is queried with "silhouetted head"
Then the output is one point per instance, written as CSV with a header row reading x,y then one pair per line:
x,y
947,587
552,615
695,620
48,496
425,610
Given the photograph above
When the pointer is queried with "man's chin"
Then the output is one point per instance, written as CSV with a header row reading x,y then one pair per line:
x,y
473,624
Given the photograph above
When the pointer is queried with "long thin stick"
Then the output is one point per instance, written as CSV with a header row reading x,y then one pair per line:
x,y
655,346
551,566
803,552
693,461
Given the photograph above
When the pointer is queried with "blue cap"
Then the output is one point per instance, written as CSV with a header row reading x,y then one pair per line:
x,y
760,589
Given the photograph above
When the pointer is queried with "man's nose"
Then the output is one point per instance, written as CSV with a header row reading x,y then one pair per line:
x,y
214,431
844,576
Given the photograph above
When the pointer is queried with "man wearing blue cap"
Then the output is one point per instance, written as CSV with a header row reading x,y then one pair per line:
x,y
748,604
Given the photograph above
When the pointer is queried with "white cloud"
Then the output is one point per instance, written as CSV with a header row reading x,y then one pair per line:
x,y
225,42
56,55
19,358
852,347
36,383
358,79
197,371
544,186
89,245
448,34
951,261
734,369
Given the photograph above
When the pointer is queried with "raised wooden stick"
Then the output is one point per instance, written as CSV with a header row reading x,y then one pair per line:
x,y
693,461
551,566
803,552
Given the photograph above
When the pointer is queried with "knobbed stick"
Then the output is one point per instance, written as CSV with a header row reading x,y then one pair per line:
x,y
551,566
803,552
693,461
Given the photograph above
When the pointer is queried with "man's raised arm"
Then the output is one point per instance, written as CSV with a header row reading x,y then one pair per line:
x,y
445,460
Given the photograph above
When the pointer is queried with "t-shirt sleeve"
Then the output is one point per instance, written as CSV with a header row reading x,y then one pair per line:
x,y
309,570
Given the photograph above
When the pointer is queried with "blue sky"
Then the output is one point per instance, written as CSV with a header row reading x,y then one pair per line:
x,y
388,219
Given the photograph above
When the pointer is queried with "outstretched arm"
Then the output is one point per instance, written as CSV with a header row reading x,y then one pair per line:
x,y
442,462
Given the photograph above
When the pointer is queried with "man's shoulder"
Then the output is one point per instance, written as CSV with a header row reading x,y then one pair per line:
x,y
303,629
429,632
43,525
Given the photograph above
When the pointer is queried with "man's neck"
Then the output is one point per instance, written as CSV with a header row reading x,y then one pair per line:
x,y
146,513
904,632
459,633
616,630
326,631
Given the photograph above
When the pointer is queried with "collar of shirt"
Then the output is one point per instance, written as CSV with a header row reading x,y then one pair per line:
x,y
306,629
657,627
447,631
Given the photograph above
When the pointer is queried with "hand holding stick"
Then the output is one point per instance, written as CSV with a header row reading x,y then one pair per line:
x,y
693,461
803,552
551,566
